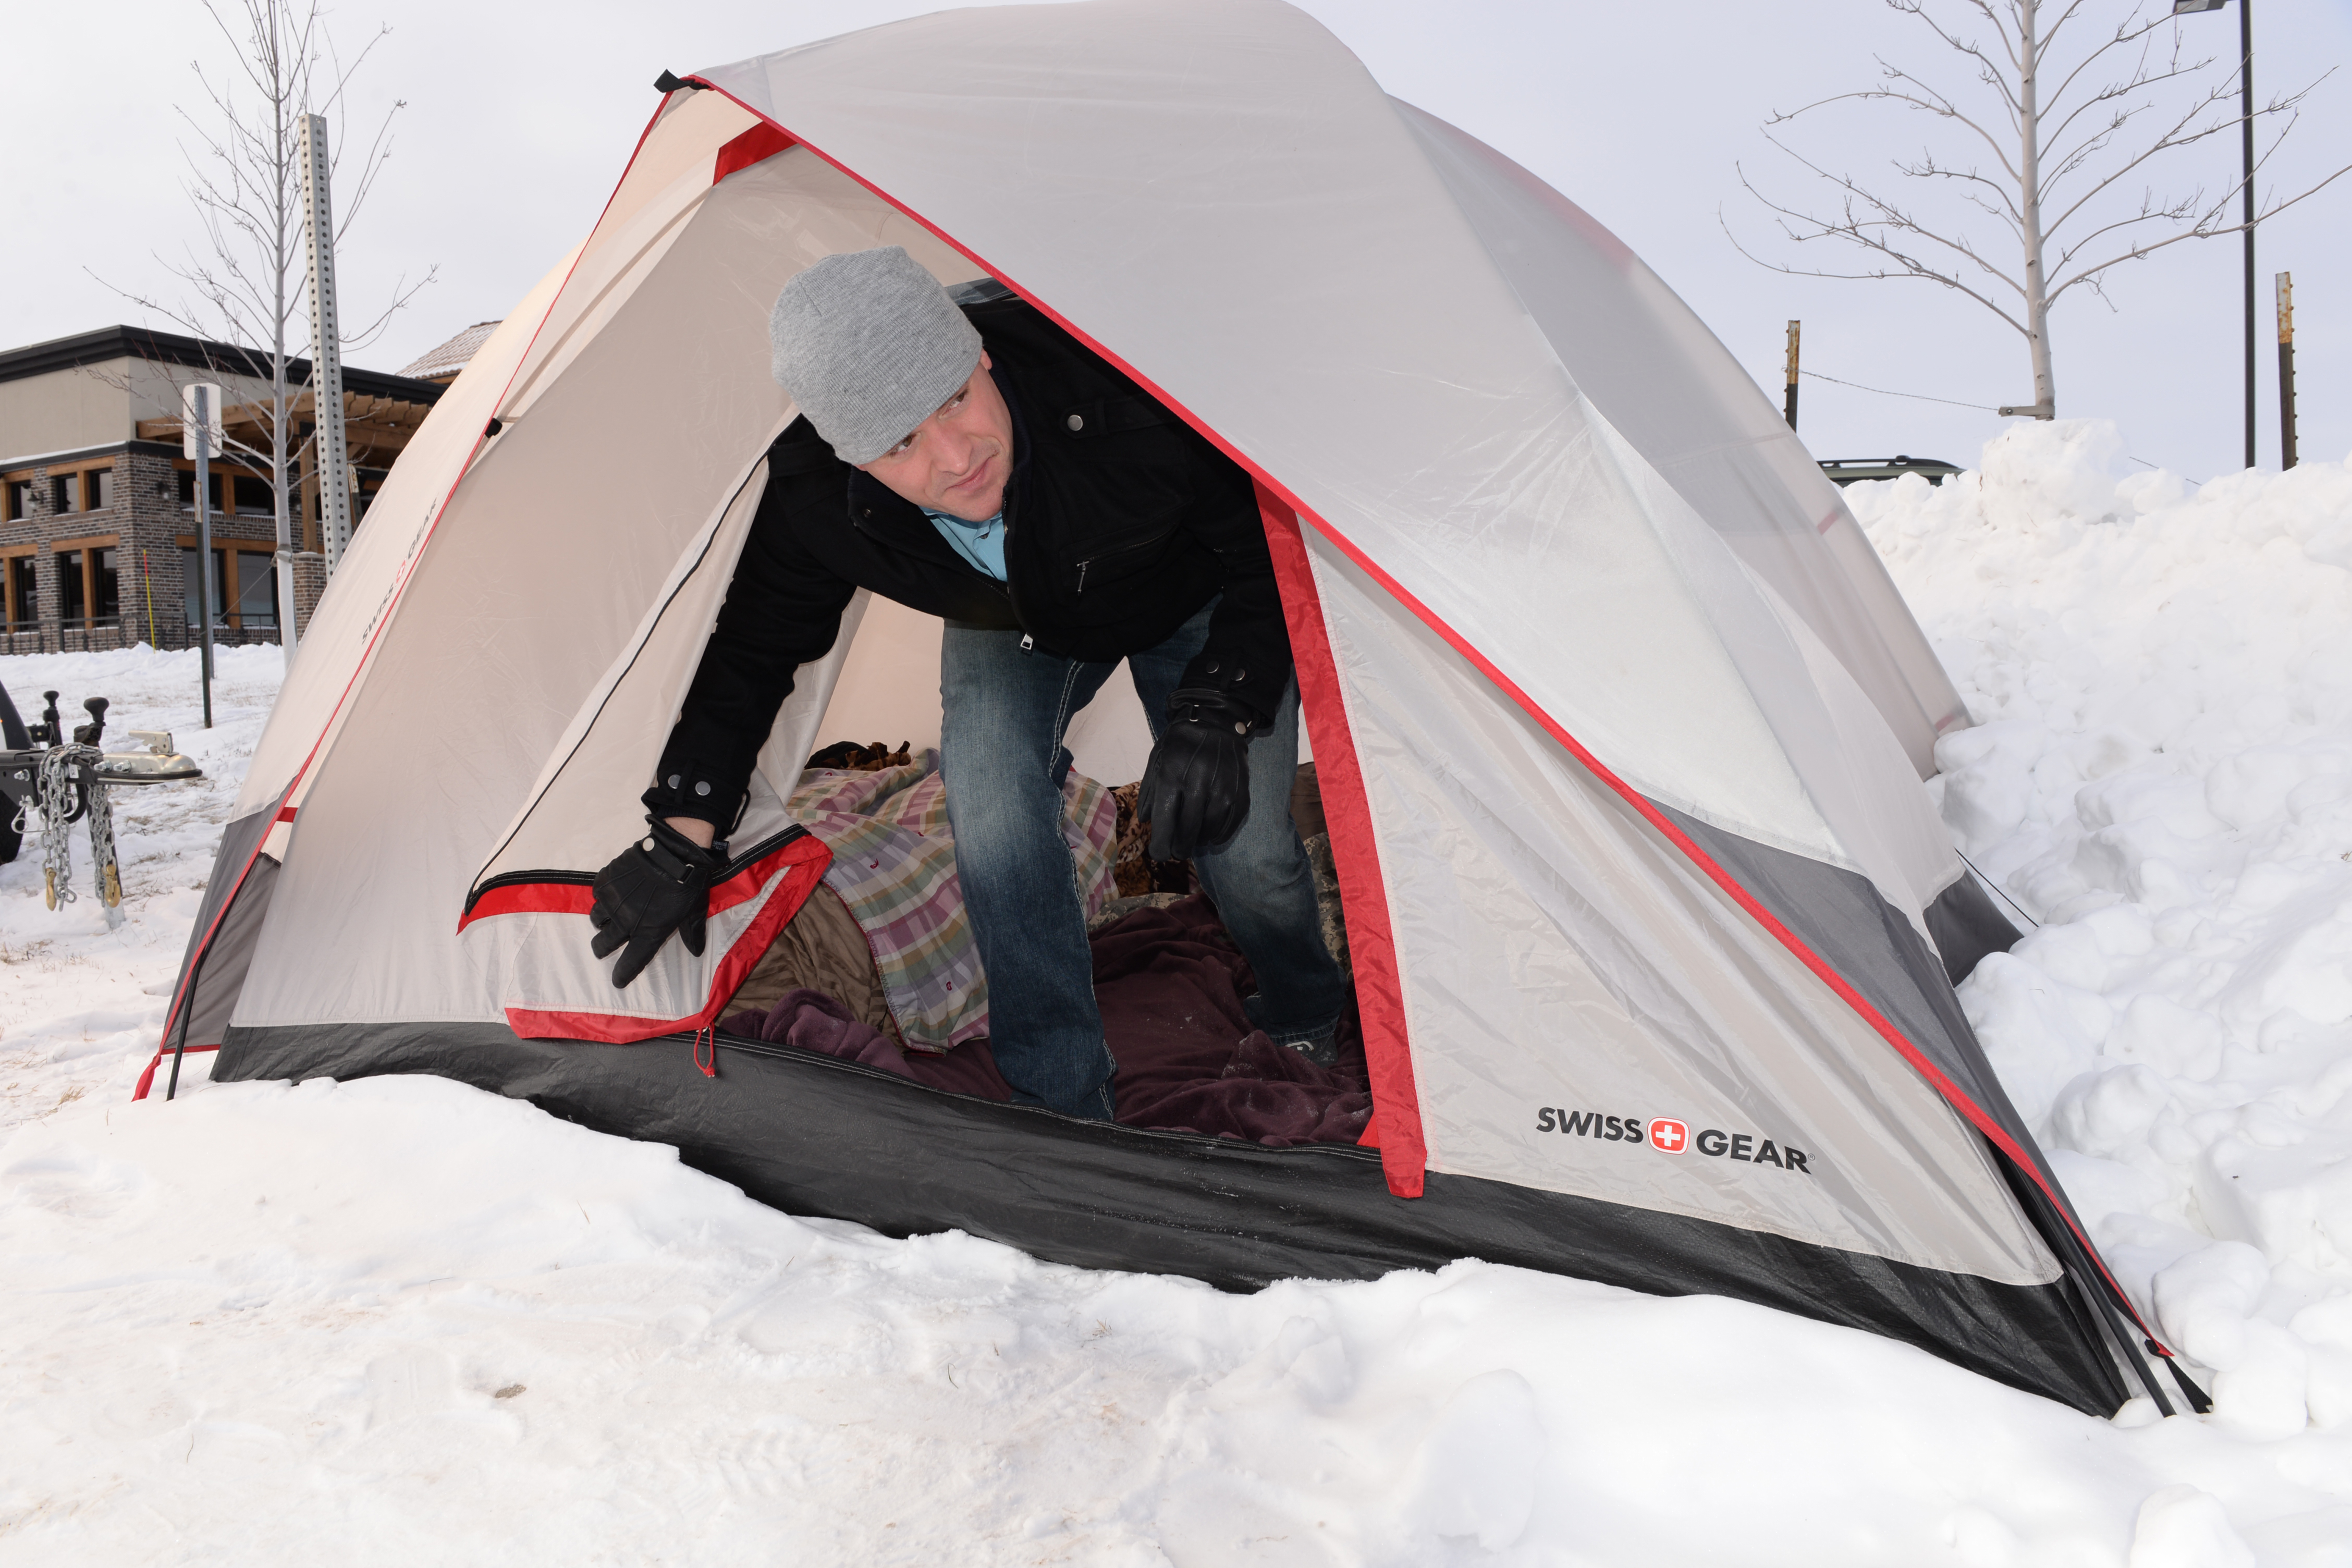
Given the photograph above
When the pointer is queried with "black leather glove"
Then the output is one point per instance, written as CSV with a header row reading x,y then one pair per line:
x,y
658,885
1195,789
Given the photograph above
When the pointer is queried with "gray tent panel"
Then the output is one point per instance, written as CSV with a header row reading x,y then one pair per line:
x,y
227,930
817,1135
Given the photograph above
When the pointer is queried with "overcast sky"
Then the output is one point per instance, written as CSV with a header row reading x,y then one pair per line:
x,y
518,119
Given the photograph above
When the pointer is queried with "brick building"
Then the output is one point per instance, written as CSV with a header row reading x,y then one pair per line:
x,y
98,519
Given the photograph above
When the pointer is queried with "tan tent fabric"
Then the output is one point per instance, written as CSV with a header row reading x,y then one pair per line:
x,y
1351,319
1617,724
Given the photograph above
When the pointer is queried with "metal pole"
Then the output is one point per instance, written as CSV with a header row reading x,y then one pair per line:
x,y
205,537
2246,69
332,459
2286,370
1789,407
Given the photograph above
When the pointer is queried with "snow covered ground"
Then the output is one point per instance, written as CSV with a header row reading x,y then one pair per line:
x,y
399,1321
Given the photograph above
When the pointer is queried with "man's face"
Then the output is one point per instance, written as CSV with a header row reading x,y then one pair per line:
x,y
957,460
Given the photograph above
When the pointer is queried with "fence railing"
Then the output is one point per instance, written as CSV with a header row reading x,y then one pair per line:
x,y
90,636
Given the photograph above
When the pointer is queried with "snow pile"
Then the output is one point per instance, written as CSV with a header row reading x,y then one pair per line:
x,y
399,1321
2162,776
78,1002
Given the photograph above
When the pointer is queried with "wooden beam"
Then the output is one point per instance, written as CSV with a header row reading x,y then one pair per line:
x,y
372,425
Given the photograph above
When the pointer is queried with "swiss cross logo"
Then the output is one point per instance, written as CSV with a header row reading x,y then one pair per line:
x,y
1669,1135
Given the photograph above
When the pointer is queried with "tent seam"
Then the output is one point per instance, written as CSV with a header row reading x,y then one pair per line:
x,y
399,592
653,625
1394,1078
1845,989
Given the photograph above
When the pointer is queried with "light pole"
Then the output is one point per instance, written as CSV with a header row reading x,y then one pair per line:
x,y
2246,125
200,438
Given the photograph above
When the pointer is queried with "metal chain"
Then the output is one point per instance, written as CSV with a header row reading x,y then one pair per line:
x,y
105,870
55,794
54,791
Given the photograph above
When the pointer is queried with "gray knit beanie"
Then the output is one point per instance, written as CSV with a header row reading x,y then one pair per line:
x,y
870,345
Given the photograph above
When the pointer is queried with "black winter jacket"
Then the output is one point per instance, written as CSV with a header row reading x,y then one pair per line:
x,y
1120,523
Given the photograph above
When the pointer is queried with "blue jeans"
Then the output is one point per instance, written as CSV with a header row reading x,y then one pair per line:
x,y
1006,712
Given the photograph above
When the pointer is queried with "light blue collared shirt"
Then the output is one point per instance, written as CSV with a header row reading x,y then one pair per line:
x,y
981,544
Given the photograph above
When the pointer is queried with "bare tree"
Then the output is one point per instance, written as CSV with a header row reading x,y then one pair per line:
x,y
2059,131
245,282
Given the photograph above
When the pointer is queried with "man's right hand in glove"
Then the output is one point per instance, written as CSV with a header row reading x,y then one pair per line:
x,y
658,885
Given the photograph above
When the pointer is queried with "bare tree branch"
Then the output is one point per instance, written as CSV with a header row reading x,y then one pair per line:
x,y
2206,228
1904,265
1857,228
2065,103
246,275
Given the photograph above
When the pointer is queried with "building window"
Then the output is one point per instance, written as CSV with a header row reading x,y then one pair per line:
x,y
188,489
21,589
244,584
61,493
16,500
88,591
70,586
220,578
257,588
106,584
98,489
253,496
140,588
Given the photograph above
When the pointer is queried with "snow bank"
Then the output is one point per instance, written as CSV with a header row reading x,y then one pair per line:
x,y
398,1319
2162,777
78,1002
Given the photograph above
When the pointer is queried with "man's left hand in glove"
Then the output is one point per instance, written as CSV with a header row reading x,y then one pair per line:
x,y
1195,789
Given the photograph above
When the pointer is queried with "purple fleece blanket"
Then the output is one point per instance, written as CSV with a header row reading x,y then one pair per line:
x,y
1169,982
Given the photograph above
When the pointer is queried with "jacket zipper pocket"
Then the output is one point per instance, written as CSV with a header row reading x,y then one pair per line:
x,y
1121,547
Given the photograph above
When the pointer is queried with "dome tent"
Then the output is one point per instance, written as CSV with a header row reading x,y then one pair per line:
x,y
1619,720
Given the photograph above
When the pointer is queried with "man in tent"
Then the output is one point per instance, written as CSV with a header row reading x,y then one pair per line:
x,y
979,464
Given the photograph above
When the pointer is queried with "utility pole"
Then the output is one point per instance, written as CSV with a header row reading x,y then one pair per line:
x,y
2246,125
1790,407
2246,129
331,455
2286,370
200,438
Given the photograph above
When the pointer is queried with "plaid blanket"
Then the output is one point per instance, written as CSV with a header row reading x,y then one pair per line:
x,y
894,865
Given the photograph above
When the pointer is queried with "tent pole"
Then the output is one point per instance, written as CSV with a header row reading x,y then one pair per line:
x,y
172,1085
2122,1337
